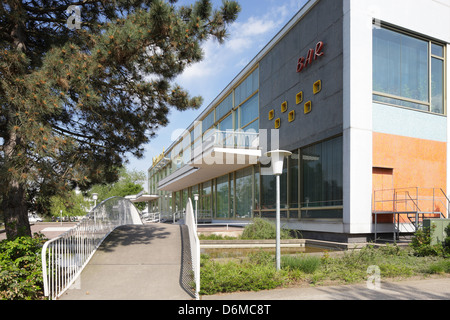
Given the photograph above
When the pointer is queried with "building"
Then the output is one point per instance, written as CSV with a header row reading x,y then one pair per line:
x,y
357,90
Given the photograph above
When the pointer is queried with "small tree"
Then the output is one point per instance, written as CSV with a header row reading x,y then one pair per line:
x,y
421,243
72,205
128,183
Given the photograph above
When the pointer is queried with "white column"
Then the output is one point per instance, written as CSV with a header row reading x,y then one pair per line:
x,y
357,110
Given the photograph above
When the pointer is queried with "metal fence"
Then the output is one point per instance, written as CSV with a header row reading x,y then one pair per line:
x,y
64,258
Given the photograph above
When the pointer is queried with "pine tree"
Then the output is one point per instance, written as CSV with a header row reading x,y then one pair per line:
x,y
76,98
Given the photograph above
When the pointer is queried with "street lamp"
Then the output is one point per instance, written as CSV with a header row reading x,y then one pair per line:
x,y
196,211
95,197
277,167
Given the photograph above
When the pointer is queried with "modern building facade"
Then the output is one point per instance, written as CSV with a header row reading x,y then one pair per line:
x,y
357,90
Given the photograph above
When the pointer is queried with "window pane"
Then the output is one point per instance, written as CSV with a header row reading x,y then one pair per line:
x,y
227,123
224,107
185,198
402,103
437,85
246,88
437,50
205,201
249,110
257,204
244,193
400,65
208,122
322,179
293,180
222,197
269,190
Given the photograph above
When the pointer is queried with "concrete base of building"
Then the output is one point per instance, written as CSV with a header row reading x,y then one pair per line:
x,y
355,238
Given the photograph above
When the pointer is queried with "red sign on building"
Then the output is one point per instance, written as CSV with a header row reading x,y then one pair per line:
x,y
311,56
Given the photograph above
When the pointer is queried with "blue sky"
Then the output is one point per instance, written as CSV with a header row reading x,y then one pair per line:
x,y
258,22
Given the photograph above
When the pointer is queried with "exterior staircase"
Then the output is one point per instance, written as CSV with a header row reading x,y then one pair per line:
x,y
409,207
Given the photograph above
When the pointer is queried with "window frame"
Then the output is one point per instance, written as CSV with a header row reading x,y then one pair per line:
x,y
431,56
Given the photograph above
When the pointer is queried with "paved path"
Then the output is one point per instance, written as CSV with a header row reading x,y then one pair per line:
x,y
139,263
430,289
50,230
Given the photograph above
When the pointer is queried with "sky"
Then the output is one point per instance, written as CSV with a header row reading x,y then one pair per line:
x,y
258,22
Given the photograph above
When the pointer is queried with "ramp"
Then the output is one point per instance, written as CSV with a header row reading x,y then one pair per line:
x,y
147,262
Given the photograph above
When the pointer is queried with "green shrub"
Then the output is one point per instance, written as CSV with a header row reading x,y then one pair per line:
x,y
235,276
447,240
261,257
262,229
21,269
421,244
307,264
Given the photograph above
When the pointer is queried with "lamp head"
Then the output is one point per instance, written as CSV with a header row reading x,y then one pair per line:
x,y
277,160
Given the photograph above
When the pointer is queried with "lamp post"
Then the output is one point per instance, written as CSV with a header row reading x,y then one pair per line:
x,y
95,197
277,167
196,211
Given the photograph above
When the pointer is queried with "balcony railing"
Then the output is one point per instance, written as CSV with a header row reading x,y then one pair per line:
x,y
231,139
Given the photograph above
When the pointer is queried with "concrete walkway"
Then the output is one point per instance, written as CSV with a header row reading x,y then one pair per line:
x,y
138,263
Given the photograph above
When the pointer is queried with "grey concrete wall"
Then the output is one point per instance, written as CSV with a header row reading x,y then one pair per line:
x,y
279,80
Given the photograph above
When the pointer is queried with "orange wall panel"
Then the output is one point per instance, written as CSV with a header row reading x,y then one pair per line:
x,y
415,162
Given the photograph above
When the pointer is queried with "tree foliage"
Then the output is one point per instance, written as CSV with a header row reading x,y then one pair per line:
x,y
73,102
129,183
70,205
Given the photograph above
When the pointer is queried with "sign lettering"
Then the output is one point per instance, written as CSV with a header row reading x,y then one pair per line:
x,y
312,55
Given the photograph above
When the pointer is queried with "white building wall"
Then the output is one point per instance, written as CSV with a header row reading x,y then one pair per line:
x,y
428,17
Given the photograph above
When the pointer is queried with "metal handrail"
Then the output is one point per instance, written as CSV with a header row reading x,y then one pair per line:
x,y
151,217
64,257
195,245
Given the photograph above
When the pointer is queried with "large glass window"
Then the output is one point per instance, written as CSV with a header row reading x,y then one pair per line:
x,y
208,122
246,88
293,180
206,198
244,196
322,175
402,65
249,111
222,202
269,190
224,107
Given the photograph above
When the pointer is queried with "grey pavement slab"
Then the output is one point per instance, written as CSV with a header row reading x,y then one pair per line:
x,y
135,263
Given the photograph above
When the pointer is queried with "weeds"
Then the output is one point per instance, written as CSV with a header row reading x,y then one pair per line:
x,y
257,271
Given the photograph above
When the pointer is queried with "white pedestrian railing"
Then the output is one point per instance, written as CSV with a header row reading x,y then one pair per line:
x,y
151,217
64,258
195,245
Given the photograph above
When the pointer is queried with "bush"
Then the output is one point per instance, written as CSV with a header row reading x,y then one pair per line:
x,y
421,244
262,229
235,276
447,240
21,268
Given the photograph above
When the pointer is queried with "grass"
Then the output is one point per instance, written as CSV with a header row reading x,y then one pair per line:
x,y
257,271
